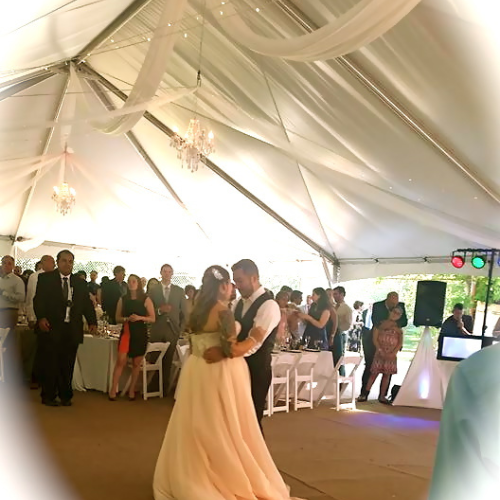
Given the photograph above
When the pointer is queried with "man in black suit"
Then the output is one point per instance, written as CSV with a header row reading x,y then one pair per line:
x,y
112,292
380,312
61,301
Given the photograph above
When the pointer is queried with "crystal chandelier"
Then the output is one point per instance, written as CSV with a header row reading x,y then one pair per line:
x,y
195,145
65,198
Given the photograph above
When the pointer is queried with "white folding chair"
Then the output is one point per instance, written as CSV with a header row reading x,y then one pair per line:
x,y
150,366
281,368
349,359
181,354
3,336
304,374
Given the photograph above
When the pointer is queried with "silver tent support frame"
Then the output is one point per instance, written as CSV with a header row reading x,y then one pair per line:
x,y
214,168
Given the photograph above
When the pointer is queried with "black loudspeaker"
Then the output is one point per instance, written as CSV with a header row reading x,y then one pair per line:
x,y
429,306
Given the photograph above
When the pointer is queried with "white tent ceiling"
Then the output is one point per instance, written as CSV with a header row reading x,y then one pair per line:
x,y
386,153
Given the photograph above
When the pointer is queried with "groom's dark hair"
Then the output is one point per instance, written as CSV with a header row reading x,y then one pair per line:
x,y
247,266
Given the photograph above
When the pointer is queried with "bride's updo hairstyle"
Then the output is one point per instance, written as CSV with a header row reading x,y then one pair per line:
x,y
207,297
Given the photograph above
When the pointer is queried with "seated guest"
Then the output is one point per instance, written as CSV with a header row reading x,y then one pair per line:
x,y
388,339
458,324
135,309
316,320
112,292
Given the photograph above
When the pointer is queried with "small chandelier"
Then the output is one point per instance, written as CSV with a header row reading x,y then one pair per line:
x,y
195,145
65,198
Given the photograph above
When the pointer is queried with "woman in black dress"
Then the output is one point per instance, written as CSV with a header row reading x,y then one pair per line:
x,y
134,310
317,320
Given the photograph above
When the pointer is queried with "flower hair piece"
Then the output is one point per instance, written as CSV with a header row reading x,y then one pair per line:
x,y
217,275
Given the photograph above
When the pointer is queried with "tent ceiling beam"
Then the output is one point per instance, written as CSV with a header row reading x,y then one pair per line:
x,y
48,139
136,144
217,170
375,88
111,29
25,83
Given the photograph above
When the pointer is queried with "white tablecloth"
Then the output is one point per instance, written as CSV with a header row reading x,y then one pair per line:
x,y
94,365
323,370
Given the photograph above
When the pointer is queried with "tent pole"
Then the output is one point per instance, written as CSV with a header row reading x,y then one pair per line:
x,y
111,29
217,170
48,139
15,88
375,88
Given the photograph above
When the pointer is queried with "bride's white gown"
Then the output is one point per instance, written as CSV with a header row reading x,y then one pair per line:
x,y
213,448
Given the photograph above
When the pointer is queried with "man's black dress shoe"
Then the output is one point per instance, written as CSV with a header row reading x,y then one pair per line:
x,y
66,403
50,402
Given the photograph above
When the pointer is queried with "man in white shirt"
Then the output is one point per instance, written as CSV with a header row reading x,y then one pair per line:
x,y
12,293
344,318
256,310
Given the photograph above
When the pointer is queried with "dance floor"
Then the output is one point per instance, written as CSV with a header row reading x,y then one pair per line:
x,y
108,450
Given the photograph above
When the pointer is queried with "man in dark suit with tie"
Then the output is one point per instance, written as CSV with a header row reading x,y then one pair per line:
x,y
171,316
380,312
60,302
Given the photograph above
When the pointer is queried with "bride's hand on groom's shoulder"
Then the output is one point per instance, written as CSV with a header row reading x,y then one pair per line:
x,y
213,355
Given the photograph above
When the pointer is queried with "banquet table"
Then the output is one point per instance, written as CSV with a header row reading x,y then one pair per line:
x,y
95,361
322,371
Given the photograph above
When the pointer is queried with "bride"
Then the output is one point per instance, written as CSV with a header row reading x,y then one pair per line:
x,y
213,448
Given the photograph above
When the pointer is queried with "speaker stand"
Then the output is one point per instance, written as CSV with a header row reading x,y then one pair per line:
x,y
422,385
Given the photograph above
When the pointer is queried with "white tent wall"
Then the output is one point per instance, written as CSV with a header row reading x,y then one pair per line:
x,y
326,145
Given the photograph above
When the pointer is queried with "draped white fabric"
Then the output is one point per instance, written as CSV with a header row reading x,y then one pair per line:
x,y
152,70
359,26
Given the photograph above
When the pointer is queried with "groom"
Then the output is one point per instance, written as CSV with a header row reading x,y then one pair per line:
x,y
255,310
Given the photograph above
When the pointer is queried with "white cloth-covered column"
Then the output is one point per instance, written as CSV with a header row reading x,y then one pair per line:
x,y
422,386
359,26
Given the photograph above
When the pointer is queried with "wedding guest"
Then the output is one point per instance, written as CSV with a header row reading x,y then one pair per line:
x,y
467,463
317,319
105,280
135,309
170,308
18,271
60,302
282,299
93,285
354,334
380,312
344,318
151,284
458,324
38,266
388,339
82,275
287,289
112,292
190,292
295,324
144,283
12,294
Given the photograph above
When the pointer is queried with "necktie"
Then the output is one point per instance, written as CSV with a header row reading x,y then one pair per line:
x,y
65,289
